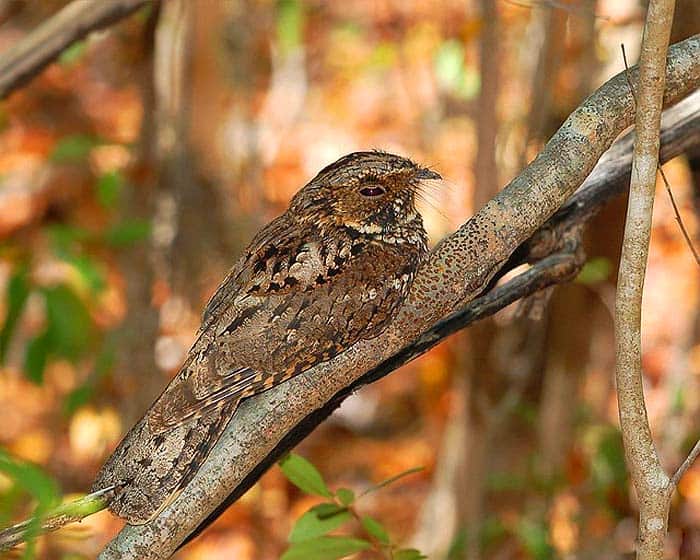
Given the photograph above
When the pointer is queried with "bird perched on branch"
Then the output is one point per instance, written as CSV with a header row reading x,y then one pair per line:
x,y
327,273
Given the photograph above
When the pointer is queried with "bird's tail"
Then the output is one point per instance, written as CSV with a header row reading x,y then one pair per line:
x,y
149,470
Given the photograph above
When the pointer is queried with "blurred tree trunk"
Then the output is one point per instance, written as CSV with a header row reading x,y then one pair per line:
x,y
137,378
547,30
482,380
197,239
486,170
566,352
188,237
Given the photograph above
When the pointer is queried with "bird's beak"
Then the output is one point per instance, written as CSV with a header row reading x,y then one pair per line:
x,y
425,174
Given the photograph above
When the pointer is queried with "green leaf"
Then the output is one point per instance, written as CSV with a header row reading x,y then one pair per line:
x,y
458,546
328,510
384,56
89,270
290,24
35,357
31,479
325,548
492,531
345,495
65,238
73,53
376,529
70,327
304,475
392,479
408,554
127,232
17,294
103,364
73,149
109,186
34,481
312,525
595,270
608,465
451,72
534,538
449,63
77,398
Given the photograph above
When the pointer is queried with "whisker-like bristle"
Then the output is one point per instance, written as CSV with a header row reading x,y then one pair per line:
x,y
435,194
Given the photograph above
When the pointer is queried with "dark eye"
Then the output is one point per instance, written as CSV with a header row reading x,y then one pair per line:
x,y
374,190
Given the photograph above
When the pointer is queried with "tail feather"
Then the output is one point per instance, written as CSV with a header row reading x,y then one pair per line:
x,y
151,468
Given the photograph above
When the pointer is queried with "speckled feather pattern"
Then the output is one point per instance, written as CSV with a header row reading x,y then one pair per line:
x,y
327,273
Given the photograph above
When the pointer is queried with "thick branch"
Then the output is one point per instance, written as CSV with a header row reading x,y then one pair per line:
x,y
43,45
648,476
458,269
681,130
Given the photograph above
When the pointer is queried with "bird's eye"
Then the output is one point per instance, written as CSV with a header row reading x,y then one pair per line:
x,y
374,190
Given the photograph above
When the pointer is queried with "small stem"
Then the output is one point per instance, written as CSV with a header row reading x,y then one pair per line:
x,y
689,460
684,231
55,519
376,545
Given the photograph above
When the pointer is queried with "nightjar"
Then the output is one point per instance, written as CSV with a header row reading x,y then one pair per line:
x,y
330,271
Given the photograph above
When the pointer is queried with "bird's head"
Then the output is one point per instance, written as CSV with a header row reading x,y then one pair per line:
x,y
370,192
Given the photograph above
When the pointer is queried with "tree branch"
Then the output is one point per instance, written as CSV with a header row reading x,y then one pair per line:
x,y
55,519
685,465
458,269
680,131
33,53
650,480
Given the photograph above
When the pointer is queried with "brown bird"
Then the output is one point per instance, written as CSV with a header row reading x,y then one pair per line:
x,y
327,273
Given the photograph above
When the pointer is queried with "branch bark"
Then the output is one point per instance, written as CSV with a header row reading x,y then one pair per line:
x,y
42,46
650,480
458,269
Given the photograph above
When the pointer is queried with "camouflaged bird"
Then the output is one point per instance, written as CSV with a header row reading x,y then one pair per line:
x,y
330,271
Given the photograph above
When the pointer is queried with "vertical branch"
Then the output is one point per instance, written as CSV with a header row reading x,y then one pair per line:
x,y
187,200
547,29
136,375
486,170
651,482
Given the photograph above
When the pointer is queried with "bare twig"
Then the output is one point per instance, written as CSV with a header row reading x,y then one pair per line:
x,y
684,231
43,45
648,476
689,460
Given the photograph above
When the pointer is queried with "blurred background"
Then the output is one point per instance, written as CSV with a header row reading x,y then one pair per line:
x,y
134,170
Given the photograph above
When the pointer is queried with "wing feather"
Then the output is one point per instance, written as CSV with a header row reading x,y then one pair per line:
x,y
282,309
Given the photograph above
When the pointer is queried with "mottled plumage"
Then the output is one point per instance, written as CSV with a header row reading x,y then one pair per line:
x,y
327,273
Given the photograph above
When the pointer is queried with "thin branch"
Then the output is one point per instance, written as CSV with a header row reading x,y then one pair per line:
x,y
689,460
33,53
648,476
55,519
667,185
459,268
684,231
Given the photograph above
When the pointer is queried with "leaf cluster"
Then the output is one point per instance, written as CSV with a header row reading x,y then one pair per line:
x,y
310,539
